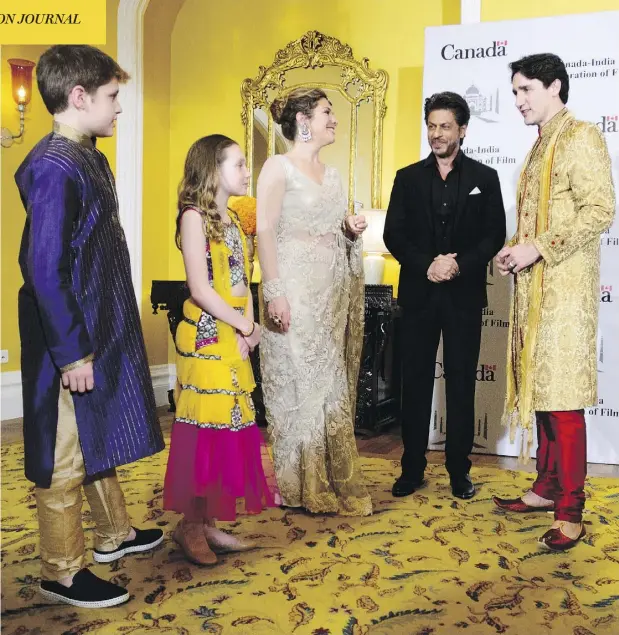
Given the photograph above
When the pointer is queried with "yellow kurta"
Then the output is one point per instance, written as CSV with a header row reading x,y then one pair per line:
x,y
581,206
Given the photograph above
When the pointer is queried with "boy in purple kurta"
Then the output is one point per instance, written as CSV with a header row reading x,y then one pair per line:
x,y
88,399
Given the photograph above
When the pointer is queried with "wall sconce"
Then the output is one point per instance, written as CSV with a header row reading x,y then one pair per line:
x,y
21,81
373,245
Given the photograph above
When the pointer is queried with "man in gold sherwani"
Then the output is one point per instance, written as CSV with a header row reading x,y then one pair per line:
x,y
565,201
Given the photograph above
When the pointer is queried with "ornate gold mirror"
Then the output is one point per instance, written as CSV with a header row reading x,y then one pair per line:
x,y
358,96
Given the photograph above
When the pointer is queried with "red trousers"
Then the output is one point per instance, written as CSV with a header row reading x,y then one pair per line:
x,y
562,462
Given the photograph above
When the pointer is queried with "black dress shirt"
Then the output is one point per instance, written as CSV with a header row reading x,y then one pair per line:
x,y
444,202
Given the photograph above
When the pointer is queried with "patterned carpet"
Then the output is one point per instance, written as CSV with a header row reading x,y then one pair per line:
x,y
421,565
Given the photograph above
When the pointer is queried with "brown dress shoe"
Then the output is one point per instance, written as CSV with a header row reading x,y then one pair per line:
x,y
519,506
556,540
190,537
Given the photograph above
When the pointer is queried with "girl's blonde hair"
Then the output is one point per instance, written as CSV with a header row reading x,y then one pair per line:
x,y
200,182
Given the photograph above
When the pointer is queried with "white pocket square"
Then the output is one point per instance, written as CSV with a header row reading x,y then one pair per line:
x,y
475,191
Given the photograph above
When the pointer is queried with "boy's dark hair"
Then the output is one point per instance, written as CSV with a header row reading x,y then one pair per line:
x,y
546,67
448,101
64,66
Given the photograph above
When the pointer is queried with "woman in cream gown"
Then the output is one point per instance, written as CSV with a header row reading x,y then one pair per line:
x,y
312,311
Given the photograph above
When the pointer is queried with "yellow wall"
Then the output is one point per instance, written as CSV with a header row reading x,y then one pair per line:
x,y
193,69
210,61
494,10
157,231
157,225
38,124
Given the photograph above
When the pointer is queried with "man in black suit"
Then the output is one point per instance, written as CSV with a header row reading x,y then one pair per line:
x,y
445,222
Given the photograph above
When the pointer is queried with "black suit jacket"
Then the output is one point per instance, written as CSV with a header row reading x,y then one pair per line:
x,y
478,232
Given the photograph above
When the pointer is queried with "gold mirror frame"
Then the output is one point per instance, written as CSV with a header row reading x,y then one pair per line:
x,y
358,83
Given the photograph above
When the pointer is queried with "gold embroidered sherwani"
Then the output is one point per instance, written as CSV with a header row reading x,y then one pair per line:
x,y
581,204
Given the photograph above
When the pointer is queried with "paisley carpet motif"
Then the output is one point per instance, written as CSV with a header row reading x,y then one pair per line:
x,y
419,565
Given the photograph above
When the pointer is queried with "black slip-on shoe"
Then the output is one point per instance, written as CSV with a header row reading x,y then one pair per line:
x,y
87,591
145,540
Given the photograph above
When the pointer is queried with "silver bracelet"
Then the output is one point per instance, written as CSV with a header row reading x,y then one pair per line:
x,y
272,289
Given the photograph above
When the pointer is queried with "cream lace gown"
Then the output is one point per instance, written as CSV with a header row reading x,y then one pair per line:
x,y
310,373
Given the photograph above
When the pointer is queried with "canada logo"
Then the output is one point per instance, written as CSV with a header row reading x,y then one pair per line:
x,y
498,48
606,293
608,124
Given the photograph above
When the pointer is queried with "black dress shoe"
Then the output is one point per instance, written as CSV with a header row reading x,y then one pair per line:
x,y
462,487
406,486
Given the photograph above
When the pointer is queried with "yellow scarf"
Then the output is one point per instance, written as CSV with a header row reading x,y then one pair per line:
x,y
519,410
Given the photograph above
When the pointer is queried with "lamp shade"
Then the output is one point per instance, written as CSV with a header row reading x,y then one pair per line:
x,y
21,80
373,235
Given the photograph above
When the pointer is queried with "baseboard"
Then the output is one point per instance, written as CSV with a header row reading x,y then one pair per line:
x,y
160,376
10,402
172,375
163,377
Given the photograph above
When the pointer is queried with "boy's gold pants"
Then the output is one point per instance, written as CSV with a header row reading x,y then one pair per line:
x,y
59,508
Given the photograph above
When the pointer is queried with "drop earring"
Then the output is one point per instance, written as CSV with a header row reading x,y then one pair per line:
x,y
305,134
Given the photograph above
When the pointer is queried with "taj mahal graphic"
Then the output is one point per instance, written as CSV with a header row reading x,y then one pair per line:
x,y
482,105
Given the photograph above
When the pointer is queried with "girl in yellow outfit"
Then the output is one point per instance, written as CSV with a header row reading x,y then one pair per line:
x,y
216,451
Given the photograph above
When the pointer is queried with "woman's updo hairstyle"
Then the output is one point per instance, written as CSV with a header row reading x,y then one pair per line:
x,y
285,109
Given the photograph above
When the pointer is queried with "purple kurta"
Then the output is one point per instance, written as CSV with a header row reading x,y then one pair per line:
x,y
78,299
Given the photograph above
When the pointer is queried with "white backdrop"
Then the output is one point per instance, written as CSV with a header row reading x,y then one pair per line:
x,y
473,60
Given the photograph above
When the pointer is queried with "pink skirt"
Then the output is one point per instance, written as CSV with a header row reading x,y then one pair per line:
x,y
212,473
